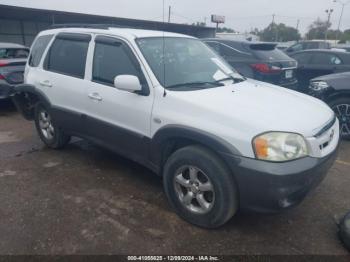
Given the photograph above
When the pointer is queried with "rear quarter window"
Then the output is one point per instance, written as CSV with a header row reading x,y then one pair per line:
x,y
38,49
68,57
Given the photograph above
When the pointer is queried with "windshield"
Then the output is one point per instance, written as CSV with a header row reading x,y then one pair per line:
x,y
182,61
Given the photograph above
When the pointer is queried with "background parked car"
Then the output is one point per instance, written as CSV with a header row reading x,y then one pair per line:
x,y
261,61
335,90
314,63
13,58
307,45
343,46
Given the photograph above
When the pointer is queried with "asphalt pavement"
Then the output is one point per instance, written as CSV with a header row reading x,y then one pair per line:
x,y
86,200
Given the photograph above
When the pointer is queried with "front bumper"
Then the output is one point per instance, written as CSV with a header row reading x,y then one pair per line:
x,y
272,187
291,85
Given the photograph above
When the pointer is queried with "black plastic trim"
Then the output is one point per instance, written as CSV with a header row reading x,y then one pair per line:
x,y
19,99
108,40
272,187
327,127
74,37
171,132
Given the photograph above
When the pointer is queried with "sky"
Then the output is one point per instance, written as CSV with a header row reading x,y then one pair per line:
x,y
241,15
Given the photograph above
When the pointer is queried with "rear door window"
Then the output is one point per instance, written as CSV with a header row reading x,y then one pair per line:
x,y
295,48
326,59
302,58
68,54
38,50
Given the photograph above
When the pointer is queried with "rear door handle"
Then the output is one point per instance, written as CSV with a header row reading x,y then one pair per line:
x,y
45,83
95,96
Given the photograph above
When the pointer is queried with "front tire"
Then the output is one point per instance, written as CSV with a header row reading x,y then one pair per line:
x,y
200,187
49,133
341,107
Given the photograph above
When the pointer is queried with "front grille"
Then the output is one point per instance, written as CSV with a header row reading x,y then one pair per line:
x,y
326,127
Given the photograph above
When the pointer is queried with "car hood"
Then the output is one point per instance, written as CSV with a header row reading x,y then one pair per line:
x,y
257,107
337,81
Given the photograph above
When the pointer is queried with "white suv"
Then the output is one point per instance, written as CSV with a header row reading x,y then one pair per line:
x,y
221,142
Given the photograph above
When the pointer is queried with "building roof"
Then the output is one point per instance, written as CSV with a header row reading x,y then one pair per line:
x,y
61,17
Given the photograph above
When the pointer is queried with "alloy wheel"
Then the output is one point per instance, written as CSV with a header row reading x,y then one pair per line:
x,y
46,126
194,189
343,113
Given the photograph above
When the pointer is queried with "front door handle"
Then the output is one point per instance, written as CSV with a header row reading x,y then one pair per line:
x,y
45,83
95,96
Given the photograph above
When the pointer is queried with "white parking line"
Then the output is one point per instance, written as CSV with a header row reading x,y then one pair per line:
x,y
343,162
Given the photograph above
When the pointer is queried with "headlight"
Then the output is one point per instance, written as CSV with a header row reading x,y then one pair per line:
x,y
319,85
279,146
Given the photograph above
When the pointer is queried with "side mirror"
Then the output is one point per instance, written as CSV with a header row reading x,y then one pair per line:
x,y
128,83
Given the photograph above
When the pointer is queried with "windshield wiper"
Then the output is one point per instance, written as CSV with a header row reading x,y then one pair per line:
x,y
235,79
196,84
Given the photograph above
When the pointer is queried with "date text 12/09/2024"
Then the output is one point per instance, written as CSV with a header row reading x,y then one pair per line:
x,y
173,258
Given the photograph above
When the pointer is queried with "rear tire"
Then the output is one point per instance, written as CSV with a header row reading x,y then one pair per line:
x,y
200,187
52,136
341,106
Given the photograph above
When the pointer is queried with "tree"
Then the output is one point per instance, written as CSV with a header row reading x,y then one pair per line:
x,y
199,24
318,29
255,31
278,33
225,30
345,36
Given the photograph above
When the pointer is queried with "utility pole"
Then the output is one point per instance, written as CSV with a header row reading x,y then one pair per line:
x,y
329,12
274,25
341,15
169,14
298,22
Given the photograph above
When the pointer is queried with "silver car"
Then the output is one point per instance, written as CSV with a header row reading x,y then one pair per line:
x,y
13,58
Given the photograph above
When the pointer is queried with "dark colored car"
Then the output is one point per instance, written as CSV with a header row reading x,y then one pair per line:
x,y
260,61
314,63
307,45
343,46
13,58
335,91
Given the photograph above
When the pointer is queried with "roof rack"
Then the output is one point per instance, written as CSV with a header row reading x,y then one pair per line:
x,y
81,25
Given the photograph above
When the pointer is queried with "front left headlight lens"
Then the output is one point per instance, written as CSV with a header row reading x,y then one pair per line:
x,y
319,85
279,146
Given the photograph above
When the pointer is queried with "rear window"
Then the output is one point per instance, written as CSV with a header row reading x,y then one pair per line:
x,y
13,53
38,49
268,54
68,57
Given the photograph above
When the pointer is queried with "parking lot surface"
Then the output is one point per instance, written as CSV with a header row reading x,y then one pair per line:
x,y
86,200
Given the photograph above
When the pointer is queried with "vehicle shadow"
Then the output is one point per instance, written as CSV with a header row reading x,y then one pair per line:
x,y
6,107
